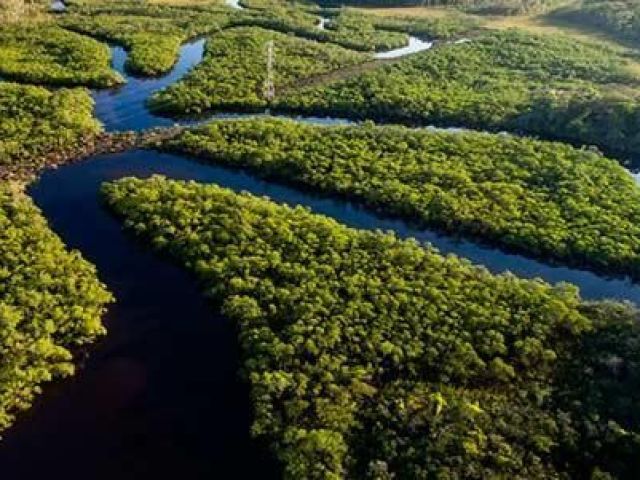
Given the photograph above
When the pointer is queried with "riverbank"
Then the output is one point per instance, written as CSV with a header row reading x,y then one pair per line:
x,y
102,143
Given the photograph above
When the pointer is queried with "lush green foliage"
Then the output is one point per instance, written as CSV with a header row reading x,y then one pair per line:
x,y
353,29
545,199
233,72
370,357
152,33
153,44
308,6
35,121
554,87
50,302
443,28
301,19
46,54
350,29
357,32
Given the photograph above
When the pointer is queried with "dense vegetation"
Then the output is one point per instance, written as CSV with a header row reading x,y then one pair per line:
x,y
50,302
619,17
551,86
441,28
368,356
357,32
349,28
545,199
233,71
372,357
151,33
353,29
45,54
35,121
305,5
153,45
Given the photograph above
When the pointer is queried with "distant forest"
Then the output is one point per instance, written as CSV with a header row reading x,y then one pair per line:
x,y
620,18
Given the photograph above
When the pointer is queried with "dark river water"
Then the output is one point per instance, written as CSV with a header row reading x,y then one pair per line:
x,y
159,396
124,108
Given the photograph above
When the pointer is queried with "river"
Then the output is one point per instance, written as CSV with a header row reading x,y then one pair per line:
x,y
159,397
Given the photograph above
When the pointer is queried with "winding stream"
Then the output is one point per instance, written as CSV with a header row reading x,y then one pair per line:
x,y
159,396
123,108
415,45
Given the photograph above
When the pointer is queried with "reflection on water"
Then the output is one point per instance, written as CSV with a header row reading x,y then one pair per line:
x,y
160,396
124,108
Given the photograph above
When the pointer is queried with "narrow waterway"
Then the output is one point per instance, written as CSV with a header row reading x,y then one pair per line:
x,y
78,184
124,108
159,397
415,45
